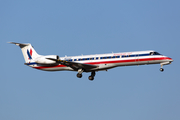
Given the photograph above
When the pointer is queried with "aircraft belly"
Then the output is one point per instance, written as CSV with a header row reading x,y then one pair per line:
x,y
112,65
55,68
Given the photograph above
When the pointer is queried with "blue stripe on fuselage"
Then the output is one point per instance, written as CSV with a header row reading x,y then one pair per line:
x,y
33,63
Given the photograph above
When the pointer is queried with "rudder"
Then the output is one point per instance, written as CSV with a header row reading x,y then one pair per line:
x,y
28,51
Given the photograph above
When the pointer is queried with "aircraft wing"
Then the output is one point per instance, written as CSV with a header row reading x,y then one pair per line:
x,y
74,65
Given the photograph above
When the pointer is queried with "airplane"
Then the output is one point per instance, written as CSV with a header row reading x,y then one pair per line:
x,y
90,63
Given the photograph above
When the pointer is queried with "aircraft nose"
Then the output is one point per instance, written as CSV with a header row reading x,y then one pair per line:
x,y
170,59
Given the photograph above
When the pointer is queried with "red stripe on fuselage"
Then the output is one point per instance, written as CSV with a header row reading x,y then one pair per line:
x,y
43,67
110,62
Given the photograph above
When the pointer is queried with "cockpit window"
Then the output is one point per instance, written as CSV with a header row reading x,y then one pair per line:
x,y
154,53
151,53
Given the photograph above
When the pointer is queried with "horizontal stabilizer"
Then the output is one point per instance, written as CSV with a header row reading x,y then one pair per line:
x,y
21,45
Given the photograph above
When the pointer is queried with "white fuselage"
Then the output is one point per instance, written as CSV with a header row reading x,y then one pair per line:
x,y
108,61
90,63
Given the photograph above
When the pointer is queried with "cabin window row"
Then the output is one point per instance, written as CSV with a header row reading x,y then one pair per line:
x,y
109,57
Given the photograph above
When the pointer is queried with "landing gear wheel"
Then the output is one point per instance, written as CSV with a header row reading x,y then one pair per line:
x,y
79,75
161,69
91,78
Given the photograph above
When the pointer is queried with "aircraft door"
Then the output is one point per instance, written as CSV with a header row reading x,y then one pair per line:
x,y
151,56
137,58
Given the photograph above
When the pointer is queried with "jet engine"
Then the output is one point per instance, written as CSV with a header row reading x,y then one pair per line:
x,y
44,60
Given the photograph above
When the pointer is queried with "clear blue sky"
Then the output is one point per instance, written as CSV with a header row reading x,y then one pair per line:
x,y
89,27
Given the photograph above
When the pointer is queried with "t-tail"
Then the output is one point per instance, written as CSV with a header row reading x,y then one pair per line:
x,y
28,51
31,56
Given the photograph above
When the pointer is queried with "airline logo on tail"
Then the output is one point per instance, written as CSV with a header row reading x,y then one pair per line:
x,y
29,54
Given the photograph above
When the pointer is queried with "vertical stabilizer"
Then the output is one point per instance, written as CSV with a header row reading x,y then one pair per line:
x,y
28,51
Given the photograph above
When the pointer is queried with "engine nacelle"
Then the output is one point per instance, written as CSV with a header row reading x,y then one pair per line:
x,y
44,60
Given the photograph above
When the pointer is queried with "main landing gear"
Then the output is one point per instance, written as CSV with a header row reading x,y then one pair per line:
x,y
79,75
91,77
80,71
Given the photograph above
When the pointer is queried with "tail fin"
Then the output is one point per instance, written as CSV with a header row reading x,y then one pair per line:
x,y
28,51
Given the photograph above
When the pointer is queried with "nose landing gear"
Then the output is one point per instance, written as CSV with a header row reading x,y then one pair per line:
x,y
164,63
161,69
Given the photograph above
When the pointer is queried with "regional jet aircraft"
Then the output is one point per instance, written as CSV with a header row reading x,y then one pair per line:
x,y
90,63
